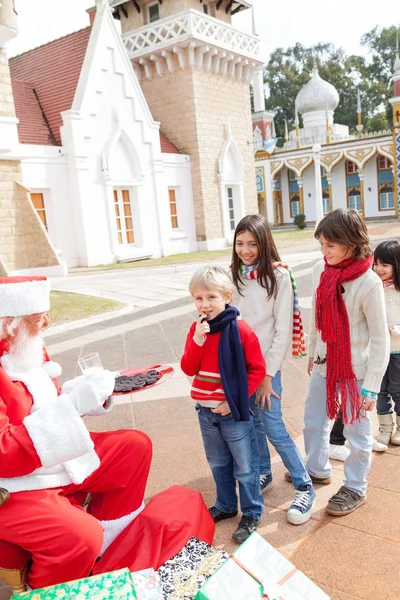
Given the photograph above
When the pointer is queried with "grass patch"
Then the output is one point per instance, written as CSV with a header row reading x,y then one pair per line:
x,y
283,239
66,306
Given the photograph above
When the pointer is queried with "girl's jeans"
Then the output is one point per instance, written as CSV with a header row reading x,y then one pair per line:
x,y
270,423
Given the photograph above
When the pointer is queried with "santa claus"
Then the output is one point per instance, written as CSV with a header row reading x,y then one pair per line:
x,y
49,461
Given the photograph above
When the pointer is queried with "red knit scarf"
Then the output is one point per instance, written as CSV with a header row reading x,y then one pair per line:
x,y
332,322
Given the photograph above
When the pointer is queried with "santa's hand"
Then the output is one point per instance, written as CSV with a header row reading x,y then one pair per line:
x,y
91,392
69,385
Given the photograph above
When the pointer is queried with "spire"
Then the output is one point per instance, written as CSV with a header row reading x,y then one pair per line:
x,y
253,22
397,61
296,116
286,131
359,109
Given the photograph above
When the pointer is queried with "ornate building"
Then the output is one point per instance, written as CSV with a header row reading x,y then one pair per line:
x,y
321,166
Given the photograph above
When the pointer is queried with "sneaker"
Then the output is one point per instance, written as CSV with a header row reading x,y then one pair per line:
x,y
378,446
344,502
265,483
218,515
300,511
247,525
338,452
318,480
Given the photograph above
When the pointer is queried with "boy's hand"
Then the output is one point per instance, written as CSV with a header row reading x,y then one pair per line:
x,y
367,403
310,365
264,392
223,409
201,329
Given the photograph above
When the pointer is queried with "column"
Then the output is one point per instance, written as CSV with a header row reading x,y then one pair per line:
x,y
329,180
301,194
319,209
361,177
273,186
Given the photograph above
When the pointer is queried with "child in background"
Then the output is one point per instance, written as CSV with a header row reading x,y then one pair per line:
x,y
265,294
349,353
387,267
224,356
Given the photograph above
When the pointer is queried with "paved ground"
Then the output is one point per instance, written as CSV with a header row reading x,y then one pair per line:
x,y
352,558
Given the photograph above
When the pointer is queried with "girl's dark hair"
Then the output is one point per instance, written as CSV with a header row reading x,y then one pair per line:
x,y
257,225
389,254
345,226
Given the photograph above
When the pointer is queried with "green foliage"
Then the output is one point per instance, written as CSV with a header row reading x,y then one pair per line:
x,y
300,221
289,69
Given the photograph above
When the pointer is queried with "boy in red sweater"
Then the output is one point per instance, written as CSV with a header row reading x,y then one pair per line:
x,y
224,356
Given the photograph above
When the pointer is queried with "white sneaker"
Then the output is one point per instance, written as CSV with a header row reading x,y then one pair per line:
x,y
302,506
338,452
378,446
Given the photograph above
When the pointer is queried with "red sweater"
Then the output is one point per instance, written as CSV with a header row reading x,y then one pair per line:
x,y
202,363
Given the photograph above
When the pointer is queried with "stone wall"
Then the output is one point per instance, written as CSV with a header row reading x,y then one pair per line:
x,y
6,96
195,108
23,240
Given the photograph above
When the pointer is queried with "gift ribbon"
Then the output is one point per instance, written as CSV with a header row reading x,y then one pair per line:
x,y
280,582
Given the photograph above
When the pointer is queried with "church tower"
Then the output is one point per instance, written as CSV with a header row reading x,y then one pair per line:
x,y
23,240
195,70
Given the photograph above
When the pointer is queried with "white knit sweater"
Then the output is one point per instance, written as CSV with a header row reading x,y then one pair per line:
x,y
392,302
369,335
271,319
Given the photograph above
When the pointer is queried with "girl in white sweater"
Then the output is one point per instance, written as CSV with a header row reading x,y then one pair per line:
x,y
349,353
266,297
387,267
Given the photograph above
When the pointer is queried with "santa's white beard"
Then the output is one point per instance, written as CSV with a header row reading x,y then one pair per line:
x,y
27,350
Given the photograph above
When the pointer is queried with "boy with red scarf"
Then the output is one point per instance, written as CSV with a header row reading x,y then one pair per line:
x,y
348,351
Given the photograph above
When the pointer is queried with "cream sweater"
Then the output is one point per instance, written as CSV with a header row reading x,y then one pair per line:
x,y
369,335
392,302
271,319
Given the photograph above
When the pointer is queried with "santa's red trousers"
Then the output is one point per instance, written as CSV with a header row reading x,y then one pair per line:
x,y
63,538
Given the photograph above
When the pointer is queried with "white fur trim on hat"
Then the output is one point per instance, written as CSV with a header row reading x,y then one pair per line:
x,y
22,296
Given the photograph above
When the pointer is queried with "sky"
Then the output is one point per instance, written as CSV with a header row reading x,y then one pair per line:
x,y
278,23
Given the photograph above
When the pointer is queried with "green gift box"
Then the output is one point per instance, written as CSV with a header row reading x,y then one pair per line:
x,y
256,571
116,584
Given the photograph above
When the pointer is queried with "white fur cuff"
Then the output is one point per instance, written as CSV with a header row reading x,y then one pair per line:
x,y
58,433
113,528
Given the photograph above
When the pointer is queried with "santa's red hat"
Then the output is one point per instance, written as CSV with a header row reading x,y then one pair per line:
x,y
22,296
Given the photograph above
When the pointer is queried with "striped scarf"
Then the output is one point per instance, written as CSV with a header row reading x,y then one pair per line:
x,y
298,337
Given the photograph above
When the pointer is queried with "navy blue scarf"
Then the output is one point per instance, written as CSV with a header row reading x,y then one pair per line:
x,y
231,362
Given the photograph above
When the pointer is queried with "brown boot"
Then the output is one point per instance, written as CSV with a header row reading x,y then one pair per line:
x,y
385,429
395,439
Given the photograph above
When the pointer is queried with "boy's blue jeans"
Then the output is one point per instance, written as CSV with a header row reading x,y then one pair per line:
x,y
270,423
232,452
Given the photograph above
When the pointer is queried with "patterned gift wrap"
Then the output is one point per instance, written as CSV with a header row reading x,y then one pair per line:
x,y
116,585
147,585
183,575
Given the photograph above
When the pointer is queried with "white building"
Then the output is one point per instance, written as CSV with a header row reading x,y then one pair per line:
x,y
321,166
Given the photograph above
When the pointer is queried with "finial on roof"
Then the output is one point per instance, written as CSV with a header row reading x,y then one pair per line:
x,y
397,61
296,116
253,21
359,108
286,131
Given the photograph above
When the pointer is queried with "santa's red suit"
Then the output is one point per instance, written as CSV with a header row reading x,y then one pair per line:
x,y
49,462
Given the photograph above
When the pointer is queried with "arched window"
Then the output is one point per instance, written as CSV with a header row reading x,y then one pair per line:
x,y
350,167
384,163
386,197
326,203
354,199
294,205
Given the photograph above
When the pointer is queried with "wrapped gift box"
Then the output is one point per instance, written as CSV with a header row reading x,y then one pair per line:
x,y
182,576
116,585
255,571
147,585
